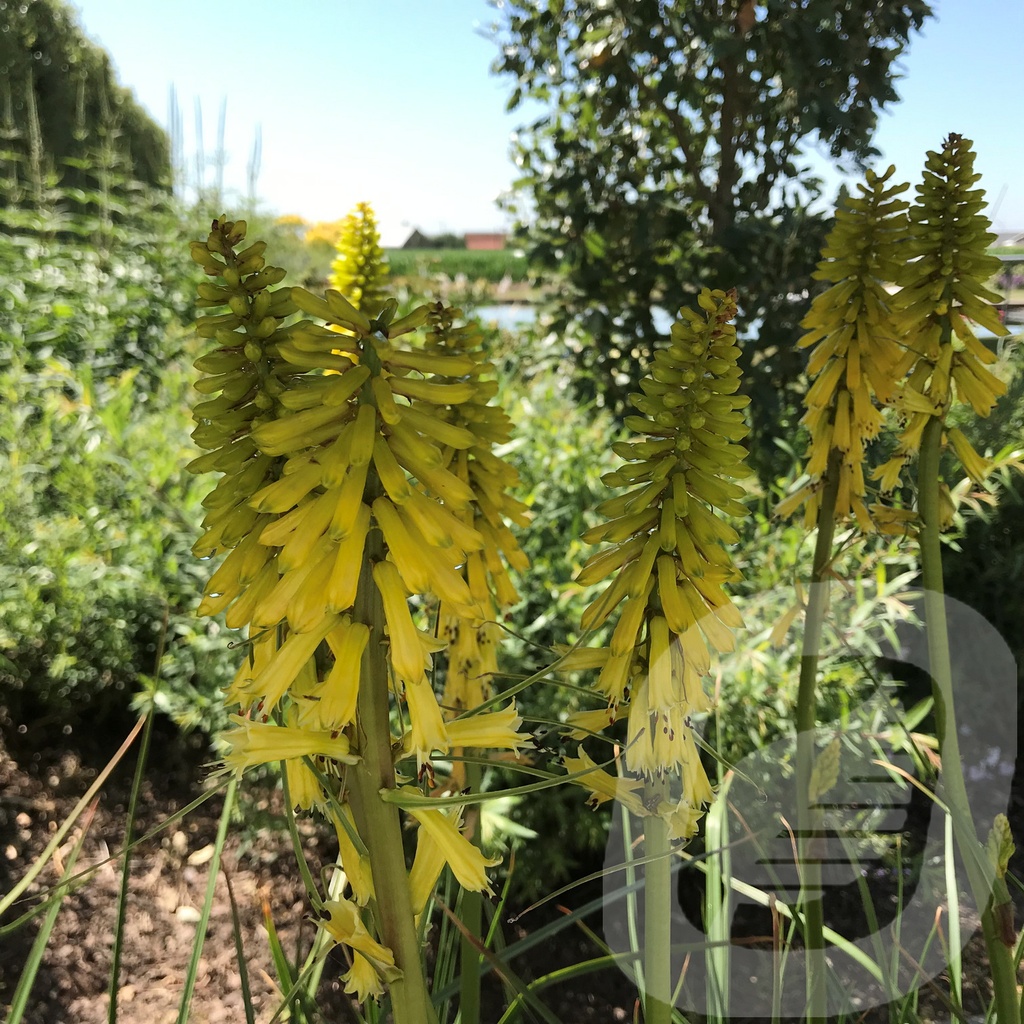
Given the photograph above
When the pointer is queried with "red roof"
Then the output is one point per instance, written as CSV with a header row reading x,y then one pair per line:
x,y
485,240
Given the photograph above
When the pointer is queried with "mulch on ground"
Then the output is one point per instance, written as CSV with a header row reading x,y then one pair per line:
x,y
169,876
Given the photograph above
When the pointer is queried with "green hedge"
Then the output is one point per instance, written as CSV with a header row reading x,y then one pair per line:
x,y
475,264
97,515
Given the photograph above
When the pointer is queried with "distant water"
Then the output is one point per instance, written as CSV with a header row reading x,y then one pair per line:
x,y
507,315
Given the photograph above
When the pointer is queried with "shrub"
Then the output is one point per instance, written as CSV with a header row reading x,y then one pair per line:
x,y
97,517
475,264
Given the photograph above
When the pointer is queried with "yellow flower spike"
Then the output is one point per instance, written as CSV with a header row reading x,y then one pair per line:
x,y
496,729
343,922
360,267
253,743
856,343
427,732
467,861
942,280
300,509
669,557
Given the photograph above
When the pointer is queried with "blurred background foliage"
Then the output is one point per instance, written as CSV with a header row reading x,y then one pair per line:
x,y
98,586
58,92
665,152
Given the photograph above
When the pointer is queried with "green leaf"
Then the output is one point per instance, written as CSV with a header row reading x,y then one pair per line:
x,y
1000,845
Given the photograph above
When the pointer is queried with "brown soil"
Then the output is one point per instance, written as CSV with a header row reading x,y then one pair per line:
x,y
169,873
168,882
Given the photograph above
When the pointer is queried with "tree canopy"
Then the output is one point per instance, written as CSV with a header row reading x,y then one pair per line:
x,y
668,156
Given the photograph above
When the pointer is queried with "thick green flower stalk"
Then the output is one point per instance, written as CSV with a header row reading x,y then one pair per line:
x,y
942,279
360,269
943,289
668,552
855,354
346,500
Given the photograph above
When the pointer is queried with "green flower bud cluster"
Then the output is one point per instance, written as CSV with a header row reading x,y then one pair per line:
x,y
360,268
244,379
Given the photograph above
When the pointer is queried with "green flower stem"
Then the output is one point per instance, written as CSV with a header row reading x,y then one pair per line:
x,y
471,915
378,822
809,821
657,915
1000,955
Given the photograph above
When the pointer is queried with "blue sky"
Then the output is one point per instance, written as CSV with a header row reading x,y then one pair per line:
x,y
392,102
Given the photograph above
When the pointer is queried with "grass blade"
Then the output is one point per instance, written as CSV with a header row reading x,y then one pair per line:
x,y
204,917
40,862
243,967
35,957
953,897
126,866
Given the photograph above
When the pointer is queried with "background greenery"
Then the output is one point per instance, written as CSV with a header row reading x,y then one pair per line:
x,y
58,93
475,264
97,515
